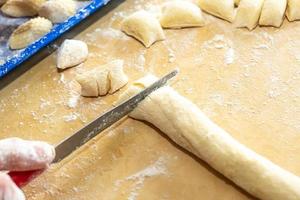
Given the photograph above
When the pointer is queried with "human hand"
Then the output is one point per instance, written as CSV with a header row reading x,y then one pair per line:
x,y
21,155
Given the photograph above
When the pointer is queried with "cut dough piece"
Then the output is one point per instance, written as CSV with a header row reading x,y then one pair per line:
x,y
144,27
272,13
180,14
22,8
29,32
186,125
248,13
117,77
223,9
71,53
88,83
102,80
58,11
293,10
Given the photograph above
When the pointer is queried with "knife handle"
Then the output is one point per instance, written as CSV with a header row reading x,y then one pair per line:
x,y
23,178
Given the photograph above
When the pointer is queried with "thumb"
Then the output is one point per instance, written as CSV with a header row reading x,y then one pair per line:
x,y
22,155
8,189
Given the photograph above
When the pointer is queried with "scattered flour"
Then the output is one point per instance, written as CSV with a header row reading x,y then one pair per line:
x,y
73,100
70,117
229,56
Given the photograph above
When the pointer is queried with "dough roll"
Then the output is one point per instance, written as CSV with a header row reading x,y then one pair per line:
x,y
186,125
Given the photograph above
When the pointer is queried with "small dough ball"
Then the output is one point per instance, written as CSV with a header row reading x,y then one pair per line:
x,y
248,13
29,32
117,77
88,83
220,8
144,27
71,53
58,11
22,8
293,10
272,13
181,14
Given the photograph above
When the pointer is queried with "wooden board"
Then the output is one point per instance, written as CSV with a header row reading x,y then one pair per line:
x,y
247,82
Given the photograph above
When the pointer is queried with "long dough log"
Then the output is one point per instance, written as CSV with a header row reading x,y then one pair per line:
x,y
185,124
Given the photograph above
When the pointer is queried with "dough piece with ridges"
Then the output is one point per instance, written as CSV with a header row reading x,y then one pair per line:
x,y
29,32
71,53
102,80
272,13
58,11
293,10
248,13
186,125
223,9
144,27
181,14
22,8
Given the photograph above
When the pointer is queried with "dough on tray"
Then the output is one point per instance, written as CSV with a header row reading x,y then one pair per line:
x,y
103,79
186,125
29,32
180,14
248,13
22,8
58,11
71,53
293,10
272,13
144,27
223,9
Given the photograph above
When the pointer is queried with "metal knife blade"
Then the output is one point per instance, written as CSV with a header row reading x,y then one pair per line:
x,y
85,134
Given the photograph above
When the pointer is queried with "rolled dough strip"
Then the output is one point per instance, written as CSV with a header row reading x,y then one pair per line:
x,y
186,125
272,13
293,10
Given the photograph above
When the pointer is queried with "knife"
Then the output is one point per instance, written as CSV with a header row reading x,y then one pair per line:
x,y
70,144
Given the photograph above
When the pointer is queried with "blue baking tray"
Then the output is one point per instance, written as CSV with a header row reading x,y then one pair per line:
x,y
17,57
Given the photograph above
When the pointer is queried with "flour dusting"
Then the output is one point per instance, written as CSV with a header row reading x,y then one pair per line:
x,y
229,56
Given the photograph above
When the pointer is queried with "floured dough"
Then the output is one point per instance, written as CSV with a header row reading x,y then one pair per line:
x,y
186,125
248,13
180,14
103,79
144,27
58,11
71,53
22,8
272,13
223,9
293,10
29,32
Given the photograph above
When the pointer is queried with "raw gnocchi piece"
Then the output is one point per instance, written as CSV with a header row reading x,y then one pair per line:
x,y
180,14
293,10
102,80
220,8
58,11
144,27
29,32
117,77
272,13
248,13
22,8
71,53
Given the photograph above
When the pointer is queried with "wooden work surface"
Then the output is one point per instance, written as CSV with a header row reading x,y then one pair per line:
x,y
246,82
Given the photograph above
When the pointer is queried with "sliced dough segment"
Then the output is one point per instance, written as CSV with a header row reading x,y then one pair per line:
x,y
180,14
102,80
220,8
117,76
22,8
144,27
186,125
29,32
293,10
248,13
272,13
58,11
71,53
